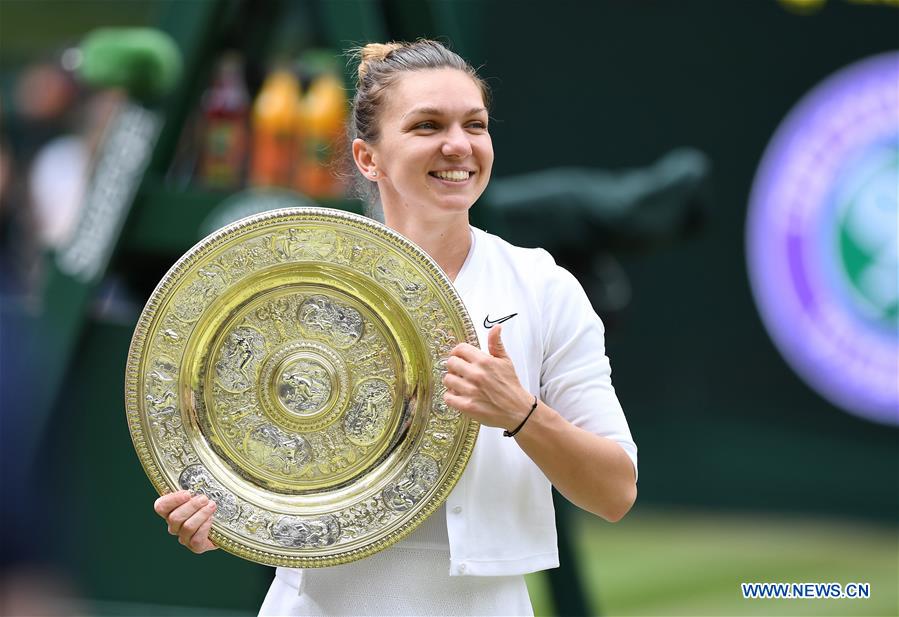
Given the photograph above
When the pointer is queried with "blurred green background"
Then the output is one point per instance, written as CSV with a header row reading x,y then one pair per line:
x,y
746,474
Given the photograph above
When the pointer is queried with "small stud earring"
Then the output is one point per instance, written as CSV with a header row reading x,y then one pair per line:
x,y
373,173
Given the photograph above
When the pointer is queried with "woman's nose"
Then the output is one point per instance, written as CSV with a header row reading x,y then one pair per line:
x,y
456,143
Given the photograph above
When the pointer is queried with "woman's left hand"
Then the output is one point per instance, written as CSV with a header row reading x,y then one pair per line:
x,y
484,386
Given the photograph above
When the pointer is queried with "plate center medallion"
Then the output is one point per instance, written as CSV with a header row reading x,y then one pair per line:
x,y
304,386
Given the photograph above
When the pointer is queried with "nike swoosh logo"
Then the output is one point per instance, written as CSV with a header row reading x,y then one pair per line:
x,y
488,323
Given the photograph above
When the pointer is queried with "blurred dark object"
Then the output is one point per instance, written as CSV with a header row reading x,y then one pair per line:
x,y
26,533
145,62
582,215
226,111
578,209
33,591
44,92
567,581
18,238
36,120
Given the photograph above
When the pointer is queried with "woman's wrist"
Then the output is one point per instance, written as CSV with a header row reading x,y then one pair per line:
x,y
524,411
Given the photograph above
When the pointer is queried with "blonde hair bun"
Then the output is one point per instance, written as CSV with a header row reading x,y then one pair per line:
x,y
374,52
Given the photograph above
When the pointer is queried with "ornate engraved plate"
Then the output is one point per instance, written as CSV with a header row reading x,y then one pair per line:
x,y
289,367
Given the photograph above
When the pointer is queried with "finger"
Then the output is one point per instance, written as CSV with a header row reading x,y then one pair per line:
x,y
467,352
200,541
457,385
166,503
495,343
456,401
458,366
189,533
193,523
180,514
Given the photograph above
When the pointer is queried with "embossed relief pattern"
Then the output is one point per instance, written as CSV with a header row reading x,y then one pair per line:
x,y
403,279
371,357
296,532
304,386
322,317
364,518
164,414
366,419
271,448
418,477
302,373
333,452
440,437
237,367
304,244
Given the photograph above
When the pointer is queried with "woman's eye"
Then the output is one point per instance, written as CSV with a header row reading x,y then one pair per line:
x,y
477,124
428,126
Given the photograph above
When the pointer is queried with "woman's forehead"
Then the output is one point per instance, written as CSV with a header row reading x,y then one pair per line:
x,y
435,91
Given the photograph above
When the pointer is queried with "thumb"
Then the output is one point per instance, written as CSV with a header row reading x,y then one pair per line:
x,y
495,343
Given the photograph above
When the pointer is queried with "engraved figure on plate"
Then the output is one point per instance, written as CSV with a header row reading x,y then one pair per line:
x,y
419,476
195,297
271,448
276,313
295,532
162,402
239,359
413,291
321,315
298,243
304,386
364,518
367,418
243,259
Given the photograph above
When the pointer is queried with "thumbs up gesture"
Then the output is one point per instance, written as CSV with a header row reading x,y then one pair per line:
x,y
484,386
495,343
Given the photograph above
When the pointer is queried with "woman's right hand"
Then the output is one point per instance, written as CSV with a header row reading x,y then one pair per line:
x,y
189,518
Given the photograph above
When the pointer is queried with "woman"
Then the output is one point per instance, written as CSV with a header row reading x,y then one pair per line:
x,y
542,391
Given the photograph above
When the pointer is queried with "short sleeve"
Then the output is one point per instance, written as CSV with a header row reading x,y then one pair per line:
x,y
575,374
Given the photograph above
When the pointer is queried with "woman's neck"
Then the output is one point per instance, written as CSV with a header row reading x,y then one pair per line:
x,y
447,244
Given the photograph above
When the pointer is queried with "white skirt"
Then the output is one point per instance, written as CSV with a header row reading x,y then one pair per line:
x,y
410,578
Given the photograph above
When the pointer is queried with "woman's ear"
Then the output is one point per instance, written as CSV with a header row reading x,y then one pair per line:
x,y
363,156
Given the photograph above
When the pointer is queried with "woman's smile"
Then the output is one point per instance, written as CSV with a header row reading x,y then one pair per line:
x,y
453,177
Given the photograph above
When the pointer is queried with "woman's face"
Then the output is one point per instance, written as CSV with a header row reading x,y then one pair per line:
x,y
434,154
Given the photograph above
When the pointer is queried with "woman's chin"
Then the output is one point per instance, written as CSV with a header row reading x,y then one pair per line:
x,y
461,202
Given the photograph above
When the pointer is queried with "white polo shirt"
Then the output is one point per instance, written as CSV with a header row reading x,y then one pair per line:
x,y
500,517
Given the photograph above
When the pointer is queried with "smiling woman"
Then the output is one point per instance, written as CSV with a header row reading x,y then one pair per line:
x,y
543,396
431,159
421,148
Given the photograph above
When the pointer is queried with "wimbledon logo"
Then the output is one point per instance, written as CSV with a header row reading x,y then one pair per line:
x,y
822,234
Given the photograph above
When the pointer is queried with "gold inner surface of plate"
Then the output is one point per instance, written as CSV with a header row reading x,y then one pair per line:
x,y
290,368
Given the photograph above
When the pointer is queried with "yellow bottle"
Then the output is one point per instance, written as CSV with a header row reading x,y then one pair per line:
x,y
276,130
324,128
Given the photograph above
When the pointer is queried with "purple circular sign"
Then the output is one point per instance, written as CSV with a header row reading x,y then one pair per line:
x,y
822,235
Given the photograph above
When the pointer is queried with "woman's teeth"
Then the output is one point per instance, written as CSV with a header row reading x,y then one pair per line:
x,y
452,176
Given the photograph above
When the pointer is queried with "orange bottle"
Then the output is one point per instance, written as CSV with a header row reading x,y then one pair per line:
x,y
324,126
276,130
